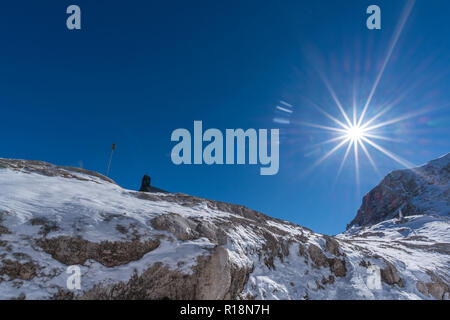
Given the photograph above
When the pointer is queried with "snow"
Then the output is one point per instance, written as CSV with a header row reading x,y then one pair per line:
x,y
93,208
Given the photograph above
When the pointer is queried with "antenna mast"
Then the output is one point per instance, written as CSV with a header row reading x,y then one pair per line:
x,y
110,158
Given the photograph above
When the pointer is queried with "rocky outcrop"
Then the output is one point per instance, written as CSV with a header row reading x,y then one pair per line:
x,y
337,266
390,275
3,229
214,277
50,170
182,228
436,288
332,246
75,251
317,256
423,190
190,229
17,270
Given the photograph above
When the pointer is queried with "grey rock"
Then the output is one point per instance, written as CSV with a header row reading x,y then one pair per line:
x,y
390,275
182,228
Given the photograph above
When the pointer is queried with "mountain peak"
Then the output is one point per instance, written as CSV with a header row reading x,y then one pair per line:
x,y
415,191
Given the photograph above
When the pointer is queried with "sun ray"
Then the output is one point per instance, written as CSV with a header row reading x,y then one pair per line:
x,y
355,147
354,106
329,153
389,154
330,140
344,159
329,116
323,127
390,105
379,114
395,120
370,158
396,36
336,100
376,136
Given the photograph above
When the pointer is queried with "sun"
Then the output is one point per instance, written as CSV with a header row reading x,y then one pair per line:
x,y
352,129
355,133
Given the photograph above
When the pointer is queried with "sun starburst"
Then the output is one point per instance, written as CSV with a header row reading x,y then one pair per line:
x,y
357,132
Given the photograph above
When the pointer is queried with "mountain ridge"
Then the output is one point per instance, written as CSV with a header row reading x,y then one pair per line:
x,y
139,245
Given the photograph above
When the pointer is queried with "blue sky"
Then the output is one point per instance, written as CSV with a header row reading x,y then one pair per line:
x,y
140,69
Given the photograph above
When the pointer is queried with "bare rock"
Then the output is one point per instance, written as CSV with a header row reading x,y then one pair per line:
x,y
364,264
337,266
301,250
422,288
317,256
330,280
401,189
3,229
16,270
71,251
47,226
214,277
210,231
332,246
390,275
48,169
182,228
274,247
437,289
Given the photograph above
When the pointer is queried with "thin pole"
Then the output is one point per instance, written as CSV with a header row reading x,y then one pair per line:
x,y
110,158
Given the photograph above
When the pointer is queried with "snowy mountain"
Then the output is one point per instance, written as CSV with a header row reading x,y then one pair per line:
x,y
422,190
158,245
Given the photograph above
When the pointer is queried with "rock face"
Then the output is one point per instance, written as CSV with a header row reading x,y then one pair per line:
x,y
390,275
72,251
214,277
423,190
160,245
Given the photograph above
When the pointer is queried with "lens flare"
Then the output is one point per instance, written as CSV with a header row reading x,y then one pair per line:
x,y
358,131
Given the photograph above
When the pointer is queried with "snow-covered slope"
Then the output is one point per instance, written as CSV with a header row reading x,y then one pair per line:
x,y
136,245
